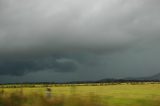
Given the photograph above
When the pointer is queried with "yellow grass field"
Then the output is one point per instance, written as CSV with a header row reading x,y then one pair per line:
x,y
146,94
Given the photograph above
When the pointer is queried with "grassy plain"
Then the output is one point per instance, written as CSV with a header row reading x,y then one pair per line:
x,y
140,94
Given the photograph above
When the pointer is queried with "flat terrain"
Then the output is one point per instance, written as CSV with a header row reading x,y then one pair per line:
x,y
142,94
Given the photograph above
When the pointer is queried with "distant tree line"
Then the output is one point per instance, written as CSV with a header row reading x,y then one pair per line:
x,y
78,83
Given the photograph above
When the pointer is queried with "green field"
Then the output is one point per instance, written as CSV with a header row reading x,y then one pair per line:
x,y
144,94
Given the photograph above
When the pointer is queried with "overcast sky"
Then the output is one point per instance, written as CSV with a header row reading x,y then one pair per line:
x,y
71,40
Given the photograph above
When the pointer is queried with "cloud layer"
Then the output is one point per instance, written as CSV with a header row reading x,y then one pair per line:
x,y
51,26
66,35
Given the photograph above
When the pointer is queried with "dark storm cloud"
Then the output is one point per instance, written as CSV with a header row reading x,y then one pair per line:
x,y
25,66
15,67
77,36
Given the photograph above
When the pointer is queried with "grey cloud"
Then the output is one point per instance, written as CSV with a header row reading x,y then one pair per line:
x,y
51,26
98,37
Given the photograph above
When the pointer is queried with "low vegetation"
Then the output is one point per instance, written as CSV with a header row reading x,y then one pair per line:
x,y
142,94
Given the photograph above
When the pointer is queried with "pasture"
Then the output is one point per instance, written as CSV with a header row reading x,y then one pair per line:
x,y
117,94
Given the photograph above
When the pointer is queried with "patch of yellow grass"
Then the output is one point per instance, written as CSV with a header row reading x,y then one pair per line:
x,y
109,95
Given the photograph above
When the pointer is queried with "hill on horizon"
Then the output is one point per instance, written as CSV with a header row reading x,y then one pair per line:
x,y
155,77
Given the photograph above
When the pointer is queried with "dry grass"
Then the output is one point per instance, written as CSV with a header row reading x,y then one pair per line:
x,y
18,99
109,95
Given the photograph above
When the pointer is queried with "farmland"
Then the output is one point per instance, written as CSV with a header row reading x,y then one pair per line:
x,y
116,94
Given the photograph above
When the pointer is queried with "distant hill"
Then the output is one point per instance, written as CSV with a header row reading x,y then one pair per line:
x,y
155,77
